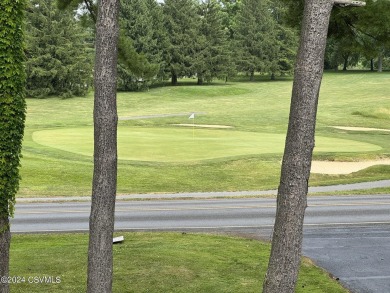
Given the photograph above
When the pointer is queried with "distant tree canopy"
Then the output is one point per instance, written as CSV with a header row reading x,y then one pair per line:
x,y
357,36
59,59
173,39
205,39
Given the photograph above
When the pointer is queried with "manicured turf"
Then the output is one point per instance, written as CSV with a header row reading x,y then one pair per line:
x,y
156,156
154,262
181,145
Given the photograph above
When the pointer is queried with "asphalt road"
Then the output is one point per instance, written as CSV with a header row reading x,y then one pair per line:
x,y
348,236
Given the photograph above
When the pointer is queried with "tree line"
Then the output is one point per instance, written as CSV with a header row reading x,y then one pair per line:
x,y
207,40
213,39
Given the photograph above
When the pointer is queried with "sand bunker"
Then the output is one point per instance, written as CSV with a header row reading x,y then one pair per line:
x,y
361,128
335,168
326,167
204,125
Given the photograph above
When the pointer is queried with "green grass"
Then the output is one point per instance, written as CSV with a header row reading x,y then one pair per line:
x,y
156,262
156,156
183,145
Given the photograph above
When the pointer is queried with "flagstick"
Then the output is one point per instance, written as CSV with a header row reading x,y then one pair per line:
x,y
193,125
193,129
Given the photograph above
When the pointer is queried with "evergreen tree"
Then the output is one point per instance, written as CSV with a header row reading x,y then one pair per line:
x,y
230,9
134,69
181,22
255,37
287,38
59,59
143,39
212,56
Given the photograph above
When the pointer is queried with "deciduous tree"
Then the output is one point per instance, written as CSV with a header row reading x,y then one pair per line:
x,y
373,29
287,236
101,222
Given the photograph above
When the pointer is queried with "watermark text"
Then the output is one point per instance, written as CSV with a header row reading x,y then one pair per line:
x,y
44,279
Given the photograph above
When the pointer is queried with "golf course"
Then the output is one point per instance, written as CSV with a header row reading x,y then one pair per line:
x,y
234,142
188,138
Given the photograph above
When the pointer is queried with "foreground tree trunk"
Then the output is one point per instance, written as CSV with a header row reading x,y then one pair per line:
x,y
12,117
5,241
287,237
101,222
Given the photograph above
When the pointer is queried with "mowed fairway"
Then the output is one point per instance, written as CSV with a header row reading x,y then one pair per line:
x,y
157,155
182,145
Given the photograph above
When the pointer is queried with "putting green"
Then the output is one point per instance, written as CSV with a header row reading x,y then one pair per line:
x,y
186,144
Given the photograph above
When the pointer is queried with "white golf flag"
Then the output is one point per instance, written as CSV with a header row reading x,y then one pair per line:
x,y
192,116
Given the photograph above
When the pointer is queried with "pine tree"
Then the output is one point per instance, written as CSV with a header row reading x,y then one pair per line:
x,y
212,56
144,39
59,59
287,40
255,37
181,22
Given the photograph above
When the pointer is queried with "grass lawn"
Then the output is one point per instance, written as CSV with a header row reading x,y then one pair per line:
x,y
156,155
155,262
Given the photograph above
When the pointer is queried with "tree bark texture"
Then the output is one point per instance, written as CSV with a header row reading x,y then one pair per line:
x,y
287,237
101,222
5,241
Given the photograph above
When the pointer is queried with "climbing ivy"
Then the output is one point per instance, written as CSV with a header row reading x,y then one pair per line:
x,y
12,100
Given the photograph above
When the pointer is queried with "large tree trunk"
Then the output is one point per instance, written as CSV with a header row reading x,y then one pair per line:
x,y
12,117
287,237
101,222
5,241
